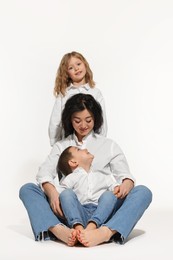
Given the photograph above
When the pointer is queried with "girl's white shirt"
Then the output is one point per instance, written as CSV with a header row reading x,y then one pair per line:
x,y
108,158
55,127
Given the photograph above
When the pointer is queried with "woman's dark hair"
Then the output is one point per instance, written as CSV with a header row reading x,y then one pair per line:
x,y
63,166
77,103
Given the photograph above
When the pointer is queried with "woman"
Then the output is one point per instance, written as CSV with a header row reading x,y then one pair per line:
x,y
82,120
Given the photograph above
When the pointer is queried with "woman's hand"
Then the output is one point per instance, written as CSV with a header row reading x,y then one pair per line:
x,y
53,197
55,203
122,190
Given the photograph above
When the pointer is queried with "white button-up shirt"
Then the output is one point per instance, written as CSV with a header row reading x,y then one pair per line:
x,y
88,186
108,158
55,127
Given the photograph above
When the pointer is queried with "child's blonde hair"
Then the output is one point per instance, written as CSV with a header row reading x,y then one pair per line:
x,y
62,80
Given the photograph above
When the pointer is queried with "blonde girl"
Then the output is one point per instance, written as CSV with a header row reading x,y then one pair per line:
x,y
73,76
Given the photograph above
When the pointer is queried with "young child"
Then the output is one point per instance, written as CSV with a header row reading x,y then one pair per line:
x,y
73,76
86,197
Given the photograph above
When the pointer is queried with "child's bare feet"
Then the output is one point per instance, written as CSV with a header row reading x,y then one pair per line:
x,y
78,227
94,237
91,226
65,234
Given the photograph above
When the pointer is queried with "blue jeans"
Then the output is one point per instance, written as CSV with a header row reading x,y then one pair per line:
x,y
127,211
39,211
76,213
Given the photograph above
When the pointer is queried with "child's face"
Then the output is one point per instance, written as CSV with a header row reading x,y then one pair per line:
x,y
82,156
76,71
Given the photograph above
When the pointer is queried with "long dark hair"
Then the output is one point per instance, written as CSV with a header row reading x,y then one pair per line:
x,y
77,103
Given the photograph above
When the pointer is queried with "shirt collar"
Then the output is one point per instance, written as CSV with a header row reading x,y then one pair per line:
x,y
84,140
79,170
85,86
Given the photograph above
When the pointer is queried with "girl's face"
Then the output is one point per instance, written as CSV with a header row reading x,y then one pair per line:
x,y
83,123
76,71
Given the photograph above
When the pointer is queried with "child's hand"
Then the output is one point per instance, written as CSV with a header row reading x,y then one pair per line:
x,y
117,192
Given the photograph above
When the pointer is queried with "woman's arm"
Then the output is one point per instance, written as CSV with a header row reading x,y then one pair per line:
x,y
118,164
53,197
47,171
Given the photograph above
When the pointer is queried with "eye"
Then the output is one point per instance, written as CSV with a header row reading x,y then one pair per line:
x,y
79,64
76,121
70,68
89,120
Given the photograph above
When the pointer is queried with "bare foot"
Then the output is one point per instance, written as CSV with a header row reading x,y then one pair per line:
x,y
65,234
78,227
91,226
94,237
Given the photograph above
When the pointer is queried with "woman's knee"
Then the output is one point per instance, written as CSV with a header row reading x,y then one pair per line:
x,y
25,189
145,192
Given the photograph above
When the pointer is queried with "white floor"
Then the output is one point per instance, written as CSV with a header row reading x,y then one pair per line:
x,y
150,239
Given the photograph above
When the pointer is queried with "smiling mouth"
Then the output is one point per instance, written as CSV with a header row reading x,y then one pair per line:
x,y
78,73
84,130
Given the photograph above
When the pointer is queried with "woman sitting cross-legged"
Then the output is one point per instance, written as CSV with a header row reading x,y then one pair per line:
x,y
82,120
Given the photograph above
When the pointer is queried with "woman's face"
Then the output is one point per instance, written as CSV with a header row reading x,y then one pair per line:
x,y
83,123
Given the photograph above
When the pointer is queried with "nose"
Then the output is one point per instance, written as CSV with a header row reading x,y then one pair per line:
x,y
83,124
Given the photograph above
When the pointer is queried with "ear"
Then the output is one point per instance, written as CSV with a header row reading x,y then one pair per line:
x,y
73,164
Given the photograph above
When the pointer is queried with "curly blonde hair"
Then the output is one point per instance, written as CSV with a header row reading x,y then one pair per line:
x,y
62,80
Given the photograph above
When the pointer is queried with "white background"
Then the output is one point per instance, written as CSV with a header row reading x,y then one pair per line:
x,y
129,46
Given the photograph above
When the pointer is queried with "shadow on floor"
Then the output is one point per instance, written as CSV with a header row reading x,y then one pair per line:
x,y
25,231
135,233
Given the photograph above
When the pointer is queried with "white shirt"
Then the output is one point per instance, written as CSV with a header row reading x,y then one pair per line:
x,y
88,186
108,158
55,127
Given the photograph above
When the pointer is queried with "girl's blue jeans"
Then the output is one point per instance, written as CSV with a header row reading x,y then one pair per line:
x,y
126,213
